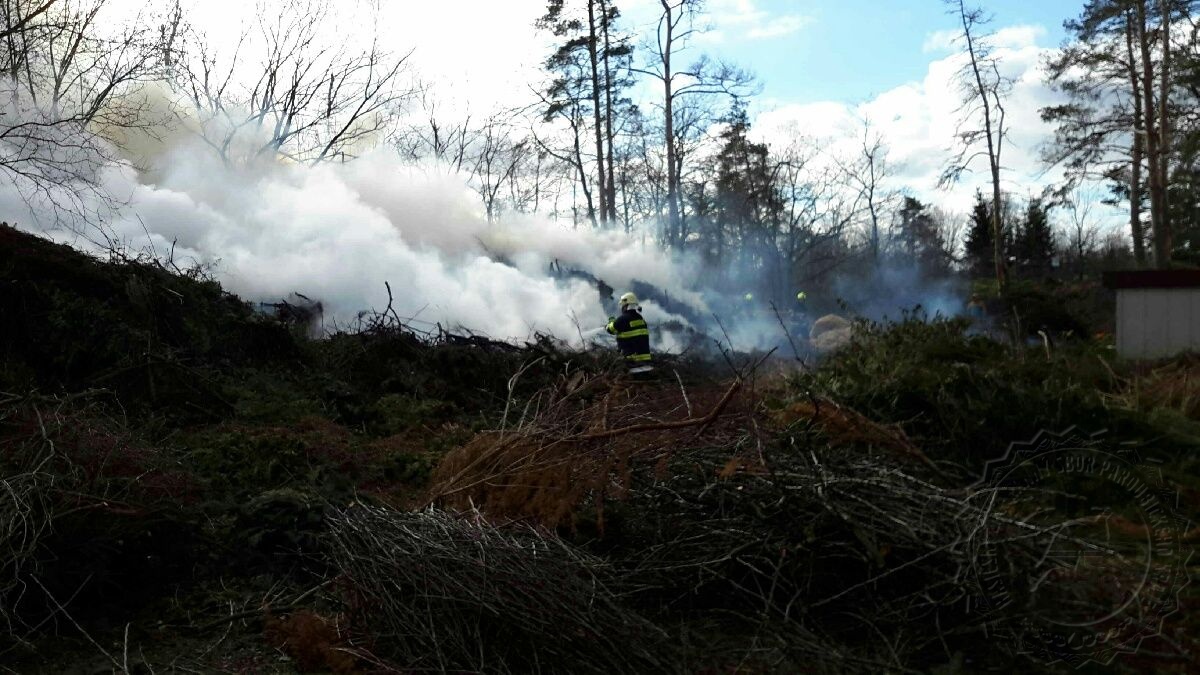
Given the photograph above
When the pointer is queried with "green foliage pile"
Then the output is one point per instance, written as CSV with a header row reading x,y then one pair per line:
x,y
1069,310
142,331
964,397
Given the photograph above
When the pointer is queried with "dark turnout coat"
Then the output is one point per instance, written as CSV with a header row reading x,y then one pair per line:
x,y
633,338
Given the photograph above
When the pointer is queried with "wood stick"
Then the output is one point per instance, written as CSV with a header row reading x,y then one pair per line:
x,y
664,426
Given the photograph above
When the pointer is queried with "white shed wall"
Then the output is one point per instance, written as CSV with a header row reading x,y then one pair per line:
x,y
1157,322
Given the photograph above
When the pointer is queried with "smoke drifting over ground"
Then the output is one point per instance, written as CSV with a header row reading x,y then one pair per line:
x,y
337,232
894,289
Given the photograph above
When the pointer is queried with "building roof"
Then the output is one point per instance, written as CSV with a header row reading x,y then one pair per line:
x,y
1153,279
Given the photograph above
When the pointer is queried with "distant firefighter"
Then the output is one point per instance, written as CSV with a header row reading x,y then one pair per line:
x,y
633,337
976,308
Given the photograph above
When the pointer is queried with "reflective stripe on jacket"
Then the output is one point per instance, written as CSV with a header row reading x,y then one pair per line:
x,y
633,336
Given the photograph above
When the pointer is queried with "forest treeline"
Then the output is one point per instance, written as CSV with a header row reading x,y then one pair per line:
x,y
633,127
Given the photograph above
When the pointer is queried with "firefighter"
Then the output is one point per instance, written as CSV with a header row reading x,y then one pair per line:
x,y
633,337
976,308
799,314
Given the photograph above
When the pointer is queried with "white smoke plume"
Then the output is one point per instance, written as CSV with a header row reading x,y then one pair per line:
x,y
337,232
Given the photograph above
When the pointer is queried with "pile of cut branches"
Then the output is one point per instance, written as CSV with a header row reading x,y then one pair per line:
x,y
434,591
877,565
84,510
576,443
23,521
791,534
816,560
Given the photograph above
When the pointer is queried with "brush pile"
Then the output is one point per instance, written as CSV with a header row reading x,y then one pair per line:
x,y
753,527
23,492
578,442
443,593
85,511
184,478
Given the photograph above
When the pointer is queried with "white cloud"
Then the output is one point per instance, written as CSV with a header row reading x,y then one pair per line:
x,y
918,122
746,20
940,41
1015,37
779,27
1019,36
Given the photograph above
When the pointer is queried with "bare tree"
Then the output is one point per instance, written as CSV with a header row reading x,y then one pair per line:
x,y
532,176
818,214
21,15
565,142
438,135
1083,232
867,174
496,162
294,88
642,172
951,228
73,90
982,130
675,30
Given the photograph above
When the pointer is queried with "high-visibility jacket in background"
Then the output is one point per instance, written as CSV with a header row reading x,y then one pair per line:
x,y
633,339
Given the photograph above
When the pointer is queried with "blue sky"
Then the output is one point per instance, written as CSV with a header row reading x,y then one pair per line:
x,y
851,50
826,65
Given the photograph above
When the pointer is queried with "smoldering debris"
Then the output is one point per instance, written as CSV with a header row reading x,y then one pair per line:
x,y
297,310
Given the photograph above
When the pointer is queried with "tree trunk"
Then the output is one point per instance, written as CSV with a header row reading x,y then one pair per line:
x,y
673,225
583,182
994,137
593,55
609,114
625,198
1162,253
874,218
1135,154
1136,230
1164,133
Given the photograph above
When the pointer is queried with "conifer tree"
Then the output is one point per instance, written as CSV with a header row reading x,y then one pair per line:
x,y
1034,242
978,245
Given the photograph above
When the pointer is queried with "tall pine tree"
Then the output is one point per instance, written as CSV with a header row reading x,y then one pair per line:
x,y
591,69
1034,242
978,245
920,240
749,206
